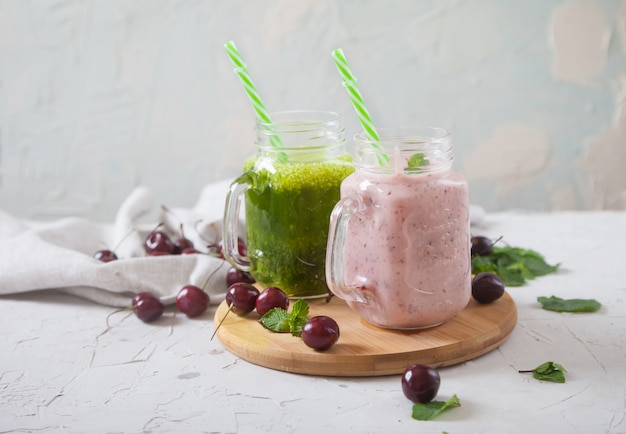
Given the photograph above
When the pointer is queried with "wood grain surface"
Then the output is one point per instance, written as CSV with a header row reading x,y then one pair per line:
x,y
366,350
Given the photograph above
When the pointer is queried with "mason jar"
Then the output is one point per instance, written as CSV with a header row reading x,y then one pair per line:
x,y
399,239
289,188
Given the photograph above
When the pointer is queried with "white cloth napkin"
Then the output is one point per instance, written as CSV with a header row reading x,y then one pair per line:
x,y
58,255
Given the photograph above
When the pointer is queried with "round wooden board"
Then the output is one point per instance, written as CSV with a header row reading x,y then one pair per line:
x,y
366,350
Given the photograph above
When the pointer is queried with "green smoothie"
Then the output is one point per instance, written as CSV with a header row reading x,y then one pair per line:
x,y
288,208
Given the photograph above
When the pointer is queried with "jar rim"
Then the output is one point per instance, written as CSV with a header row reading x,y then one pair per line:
x,y
301,132
289,119
404,149
417,134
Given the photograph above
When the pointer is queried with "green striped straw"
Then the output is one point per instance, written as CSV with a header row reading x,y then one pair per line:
x,y
241,70
349,82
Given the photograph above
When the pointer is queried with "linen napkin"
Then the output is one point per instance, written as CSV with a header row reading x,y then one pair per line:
x,y
42,256
58,255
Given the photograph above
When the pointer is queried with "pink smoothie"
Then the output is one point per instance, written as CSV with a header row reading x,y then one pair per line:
x,y
407,253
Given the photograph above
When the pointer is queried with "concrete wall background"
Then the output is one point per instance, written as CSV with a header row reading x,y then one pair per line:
x,y
97,97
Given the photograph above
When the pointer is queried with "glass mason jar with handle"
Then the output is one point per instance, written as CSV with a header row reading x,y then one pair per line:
x,y
290,188
399,240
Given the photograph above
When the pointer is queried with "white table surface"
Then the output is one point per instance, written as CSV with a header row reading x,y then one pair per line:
x,y
63,370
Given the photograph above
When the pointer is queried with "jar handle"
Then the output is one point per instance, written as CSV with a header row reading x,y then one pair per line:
x,y
230,230
335,273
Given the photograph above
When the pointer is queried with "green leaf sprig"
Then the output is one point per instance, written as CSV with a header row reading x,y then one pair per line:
x,y
549,371
416,162
573,305
281,321
513,265
430,410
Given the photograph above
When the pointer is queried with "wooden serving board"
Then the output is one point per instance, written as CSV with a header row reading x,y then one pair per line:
x,y
366,350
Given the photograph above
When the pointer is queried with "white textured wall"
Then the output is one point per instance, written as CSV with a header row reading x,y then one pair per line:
x,y
97,97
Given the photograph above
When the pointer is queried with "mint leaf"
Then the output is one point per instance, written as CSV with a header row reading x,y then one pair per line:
x,y
277,320
280,321
300,308
575,305
296,325
513,265
417,160
549,371
430,410
298,318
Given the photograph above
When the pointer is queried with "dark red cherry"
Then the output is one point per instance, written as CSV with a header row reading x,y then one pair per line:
x,y
192,301
181,244
147,306
241,245
158,253
269,299
105,255
487,287
241,297
481,246
320,332
235,275
108,255
158,241
420,383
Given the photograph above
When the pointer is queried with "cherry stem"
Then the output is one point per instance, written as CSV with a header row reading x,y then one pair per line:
x,y
213,226
114,312
526,372
230,308
126,235
206,282
169,211
491,245
180,222
157,227
497,240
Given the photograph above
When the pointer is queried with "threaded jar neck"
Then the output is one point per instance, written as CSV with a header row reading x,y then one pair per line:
x,y
301,135
408,150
